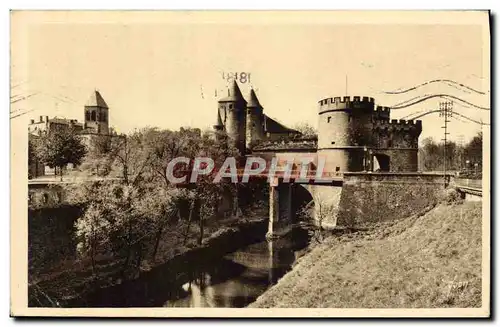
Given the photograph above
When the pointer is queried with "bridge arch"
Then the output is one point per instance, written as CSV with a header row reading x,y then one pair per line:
x,y
302,202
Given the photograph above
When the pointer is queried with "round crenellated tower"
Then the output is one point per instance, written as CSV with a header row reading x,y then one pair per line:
x,y
345,131
232,111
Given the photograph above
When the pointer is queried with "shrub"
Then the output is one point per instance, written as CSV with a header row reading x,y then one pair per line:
x,y
450,196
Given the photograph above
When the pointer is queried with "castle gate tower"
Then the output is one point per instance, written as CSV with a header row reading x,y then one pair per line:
x,y
397,140
255,120
97,114
232,111
345,130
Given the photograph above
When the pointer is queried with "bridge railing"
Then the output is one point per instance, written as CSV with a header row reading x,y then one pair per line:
x,y
294,174
471,183
279,173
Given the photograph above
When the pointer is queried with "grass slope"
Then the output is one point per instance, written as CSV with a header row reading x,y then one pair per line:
x,y
419,262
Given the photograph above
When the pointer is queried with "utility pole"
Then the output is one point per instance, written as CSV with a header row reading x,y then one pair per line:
x,y
445,111
461,149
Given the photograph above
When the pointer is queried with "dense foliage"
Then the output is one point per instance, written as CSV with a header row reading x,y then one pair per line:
x,y
306,129
458,158
127,216
59,148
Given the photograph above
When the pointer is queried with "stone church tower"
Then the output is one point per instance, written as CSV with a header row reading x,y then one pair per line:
x,y
97,114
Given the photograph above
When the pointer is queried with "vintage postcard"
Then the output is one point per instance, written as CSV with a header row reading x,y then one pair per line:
x,y
250,163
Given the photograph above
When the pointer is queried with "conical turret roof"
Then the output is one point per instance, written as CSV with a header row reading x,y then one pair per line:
x,y
96,100
253,102
234,93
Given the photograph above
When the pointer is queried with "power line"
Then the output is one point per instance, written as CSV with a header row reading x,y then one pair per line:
x,y
413,113
22,113
423,98
456,113
447,81
470,119
24,97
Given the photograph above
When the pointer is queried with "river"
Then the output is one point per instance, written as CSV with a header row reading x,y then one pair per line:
x,y
232,280
237,279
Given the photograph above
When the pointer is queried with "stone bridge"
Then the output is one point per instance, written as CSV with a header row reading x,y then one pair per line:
x,y
352,199
356,199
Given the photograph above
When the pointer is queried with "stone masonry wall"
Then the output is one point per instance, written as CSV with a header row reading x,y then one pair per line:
x,y
372,198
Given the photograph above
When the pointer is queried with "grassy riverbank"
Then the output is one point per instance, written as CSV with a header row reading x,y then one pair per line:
x,y
427,261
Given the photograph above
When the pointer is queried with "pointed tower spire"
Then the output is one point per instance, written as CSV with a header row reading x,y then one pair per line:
x,y
235,90
96,100
233,93
253,102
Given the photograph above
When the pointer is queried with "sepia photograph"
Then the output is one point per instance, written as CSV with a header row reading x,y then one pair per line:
x,y
250,163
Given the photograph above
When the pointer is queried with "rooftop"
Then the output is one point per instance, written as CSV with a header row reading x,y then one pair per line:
x,y
273,126
96,100
234,94
253,102
300,144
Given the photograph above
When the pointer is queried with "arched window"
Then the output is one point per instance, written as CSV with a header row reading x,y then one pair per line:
x,y
87,115
103,116
92,116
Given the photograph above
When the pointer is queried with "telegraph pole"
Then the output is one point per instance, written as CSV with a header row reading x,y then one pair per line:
x,y
461,148
445,111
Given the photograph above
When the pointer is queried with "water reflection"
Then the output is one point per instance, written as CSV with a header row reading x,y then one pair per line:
x,y
234,280
238,278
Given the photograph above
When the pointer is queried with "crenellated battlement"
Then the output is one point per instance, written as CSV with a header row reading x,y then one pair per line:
x,y
383,109
348,124
402,125
346,99
339,103
382,113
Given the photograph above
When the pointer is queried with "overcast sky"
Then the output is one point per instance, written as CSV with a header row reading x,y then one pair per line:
x,y
163,69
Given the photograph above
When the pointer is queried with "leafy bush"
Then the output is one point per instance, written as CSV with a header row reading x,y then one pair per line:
x,y
450,196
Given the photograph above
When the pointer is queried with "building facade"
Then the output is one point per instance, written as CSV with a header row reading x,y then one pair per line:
x,y
95,123
96,120
245,122
353,135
